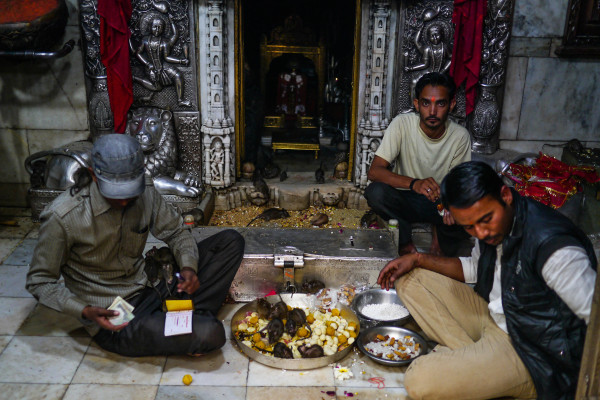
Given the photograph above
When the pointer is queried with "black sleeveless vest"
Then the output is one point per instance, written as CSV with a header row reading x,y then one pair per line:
x,y
546,334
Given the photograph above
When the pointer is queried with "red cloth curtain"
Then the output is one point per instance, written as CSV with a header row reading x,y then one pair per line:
x,y
468,18
114,52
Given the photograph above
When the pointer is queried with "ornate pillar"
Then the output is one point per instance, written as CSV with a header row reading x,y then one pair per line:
x,y
484,122
374,121
99,113
217,126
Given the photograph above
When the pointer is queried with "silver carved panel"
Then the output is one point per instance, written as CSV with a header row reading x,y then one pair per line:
x,y
187,125
426,38
163,55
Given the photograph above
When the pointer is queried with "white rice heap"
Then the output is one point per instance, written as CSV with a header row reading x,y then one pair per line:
x,y
394,349
384,312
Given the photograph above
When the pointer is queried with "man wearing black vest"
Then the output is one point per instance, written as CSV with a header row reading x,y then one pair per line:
x,y
520,331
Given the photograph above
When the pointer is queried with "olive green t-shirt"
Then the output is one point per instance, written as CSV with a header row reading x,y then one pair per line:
x,y
418,156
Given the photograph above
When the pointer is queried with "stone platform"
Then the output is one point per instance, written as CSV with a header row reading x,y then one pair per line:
x,y
335,257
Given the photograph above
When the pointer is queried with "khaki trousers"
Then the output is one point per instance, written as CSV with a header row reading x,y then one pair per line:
x,y
476,359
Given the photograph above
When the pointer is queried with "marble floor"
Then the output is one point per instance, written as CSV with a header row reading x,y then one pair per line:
x,y
47,355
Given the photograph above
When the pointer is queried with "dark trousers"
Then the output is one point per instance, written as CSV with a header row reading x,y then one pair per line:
x,y
409,207
220,258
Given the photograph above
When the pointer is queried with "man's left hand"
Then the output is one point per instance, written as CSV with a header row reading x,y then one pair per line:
x,y
448,219
190,283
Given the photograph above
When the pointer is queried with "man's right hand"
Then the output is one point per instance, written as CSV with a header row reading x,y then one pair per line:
x,y
395,269
100,316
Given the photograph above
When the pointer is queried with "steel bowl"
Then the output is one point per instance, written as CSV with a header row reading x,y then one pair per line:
x,y
296,300
369,335
377,296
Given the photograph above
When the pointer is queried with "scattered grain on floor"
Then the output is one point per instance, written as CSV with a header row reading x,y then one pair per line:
x,y
342,218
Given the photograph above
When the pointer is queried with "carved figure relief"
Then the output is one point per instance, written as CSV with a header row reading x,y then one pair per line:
x,y
155,52
373,146
426,47
435,55
217,160
153,128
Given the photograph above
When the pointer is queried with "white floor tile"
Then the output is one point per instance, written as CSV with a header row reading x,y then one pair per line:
x,y
44,321
363,369
225,367
13,312
12,281
261,375
104,392
100,366
41,359
296,393
32,391
22,254
3,342
201,393
7,246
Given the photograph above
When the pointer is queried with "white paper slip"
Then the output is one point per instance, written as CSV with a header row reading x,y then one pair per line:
x,y
178,323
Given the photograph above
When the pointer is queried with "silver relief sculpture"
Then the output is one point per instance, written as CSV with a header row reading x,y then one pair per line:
x,y
435,54
426,39
155,52
153,129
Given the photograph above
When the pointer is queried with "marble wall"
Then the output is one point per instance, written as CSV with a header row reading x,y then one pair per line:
x,y
547,100
42,105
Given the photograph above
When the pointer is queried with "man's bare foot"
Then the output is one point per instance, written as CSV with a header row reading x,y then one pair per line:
x,y
435,248
407,249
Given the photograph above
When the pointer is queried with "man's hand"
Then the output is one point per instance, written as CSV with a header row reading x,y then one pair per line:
x,y
429,188
190,281
100,316
395,269
448,219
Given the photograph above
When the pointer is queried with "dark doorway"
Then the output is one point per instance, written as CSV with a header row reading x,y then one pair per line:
x,y
297,83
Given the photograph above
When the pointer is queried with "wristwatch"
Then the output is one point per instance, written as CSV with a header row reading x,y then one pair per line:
x,y
412,184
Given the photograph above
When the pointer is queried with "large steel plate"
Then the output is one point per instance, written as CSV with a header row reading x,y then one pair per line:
x,y
294,300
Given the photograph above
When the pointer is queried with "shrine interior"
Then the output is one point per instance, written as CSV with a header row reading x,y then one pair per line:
x,y
297,106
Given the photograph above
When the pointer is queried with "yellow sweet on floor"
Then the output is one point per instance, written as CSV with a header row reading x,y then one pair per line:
x,y
187,379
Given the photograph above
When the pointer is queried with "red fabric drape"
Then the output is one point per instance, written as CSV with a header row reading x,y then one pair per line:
x,y
550,181
468,36
114,52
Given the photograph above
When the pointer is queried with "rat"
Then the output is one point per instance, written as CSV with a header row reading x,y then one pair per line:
x,y
283,175
319,219
270,214
282,351
260,185
313,351
320,174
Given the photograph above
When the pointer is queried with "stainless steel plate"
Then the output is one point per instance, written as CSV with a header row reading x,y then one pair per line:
x,y
296,300
369,335
377,296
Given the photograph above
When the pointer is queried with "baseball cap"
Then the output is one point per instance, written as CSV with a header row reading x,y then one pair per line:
x,y
118,163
